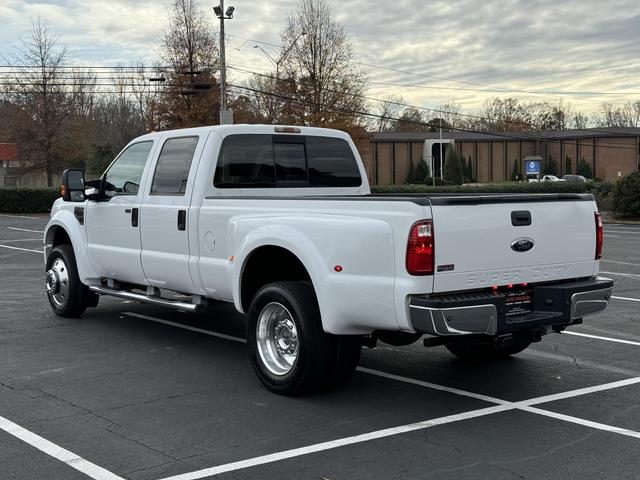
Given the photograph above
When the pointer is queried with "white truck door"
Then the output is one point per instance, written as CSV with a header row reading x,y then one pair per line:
x,y
165,230
113,234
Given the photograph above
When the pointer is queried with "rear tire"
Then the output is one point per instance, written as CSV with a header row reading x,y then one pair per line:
x,y
480,352
67,296
288,349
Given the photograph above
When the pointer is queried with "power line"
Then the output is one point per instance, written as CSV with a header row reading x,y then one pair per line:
x,y
497,89
415,122
439,111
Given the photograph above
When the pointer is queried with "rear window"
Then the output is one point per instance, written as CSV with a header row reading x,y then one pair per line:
x,y
281,161
174,163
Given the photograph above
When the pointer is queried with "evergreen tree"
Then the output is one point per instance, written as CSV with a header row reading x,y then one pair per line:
x,y
411,175
469,169
567,165
515,175
453,169
550,166
584,169
421,171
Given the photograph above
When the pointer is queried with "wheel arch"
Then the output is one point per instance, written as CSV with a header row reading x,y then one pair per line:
x,y
267,264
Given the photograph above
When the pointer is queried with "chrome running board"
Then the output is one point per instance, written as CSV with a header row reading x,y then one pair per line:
x,y
138,297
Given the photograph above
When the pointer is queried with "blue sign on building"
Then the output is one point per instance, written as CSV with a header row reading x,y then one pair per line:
x,y
532,167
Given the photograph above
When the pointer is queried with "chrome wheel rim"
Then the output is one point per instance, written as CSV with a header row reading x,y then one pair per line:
x,y
56,280
277,338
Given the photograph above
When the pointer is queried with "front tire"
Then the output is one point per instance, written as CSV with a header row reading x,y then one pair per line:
x,y
288,349
67,296
482,352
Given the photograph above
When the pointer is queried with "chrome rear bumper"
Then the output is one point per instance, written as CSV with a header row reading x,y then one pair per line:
x,y
484,313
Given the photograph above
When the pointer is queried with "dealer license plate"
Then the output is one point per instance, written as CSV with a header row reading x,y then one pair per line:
x,y
519,302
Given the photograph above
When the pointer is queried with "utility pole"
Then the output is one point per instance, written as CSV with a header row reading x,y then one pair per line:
x,y
441,159
226,116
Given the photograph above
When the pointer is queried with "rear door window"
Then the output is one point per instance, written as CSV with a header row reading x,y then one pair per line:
x,y
245,161
174,163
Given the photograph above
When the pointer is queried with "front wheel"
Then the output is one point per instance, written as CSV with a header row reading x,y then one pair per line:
x,y
478,352
67,295
288,349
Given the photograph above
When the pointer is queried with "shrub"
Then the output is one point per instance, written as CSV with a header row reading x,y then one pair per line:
x,y
27,200
626,196
507,187
567,165
550,166
515,174
602,192
453,172
421,171
429,181
584,169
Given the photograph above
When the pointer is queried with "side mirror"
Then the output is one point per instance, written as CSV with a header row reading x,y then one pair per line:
x,y
73,186
93,190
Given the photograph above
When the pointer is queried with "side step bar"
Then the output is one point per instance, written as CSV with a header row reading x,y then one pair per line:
x,y
138,297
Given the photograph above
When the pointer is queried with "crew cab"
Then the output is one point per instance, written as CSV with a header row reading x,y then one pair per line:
x,y
280,221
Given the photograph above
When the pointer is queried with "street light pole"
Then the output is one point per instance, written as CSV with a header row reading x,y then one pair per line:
x,y
226,116
223,67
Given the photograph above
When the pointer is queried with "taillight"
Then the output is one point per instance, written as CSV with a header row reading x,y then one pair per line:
x,y
599,235
420,248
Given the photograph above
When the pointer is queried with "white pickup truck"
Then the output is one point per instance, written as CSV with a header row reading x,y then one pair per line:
x,y
280,221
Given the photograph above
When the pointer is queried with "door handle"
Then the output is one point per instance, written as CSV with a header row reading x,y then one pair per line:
x,y
134,217
182,219
520,218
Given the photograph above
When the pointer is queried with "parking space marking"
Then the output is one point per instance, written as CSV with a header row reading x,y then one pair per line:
x,y
628,299
582,421
21,216
25,230
332,444
185,327
631,275
623,231
23,249
13,240
620,263
597,337
71,459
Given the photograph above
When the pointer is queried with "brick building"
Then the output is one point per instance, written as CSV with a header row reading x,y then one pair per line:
x,y
8,165
612,153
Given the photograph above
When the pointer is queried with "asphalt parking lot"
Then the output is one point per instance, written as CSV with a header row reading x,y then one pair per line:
x,y
138,392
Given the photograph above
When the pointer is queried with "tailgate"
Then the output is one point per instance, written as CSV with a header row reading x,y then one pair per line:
x,y
486,241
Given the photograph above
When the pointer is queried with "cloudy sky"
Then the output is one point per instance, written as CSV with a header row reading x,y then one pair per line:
x,y
465,50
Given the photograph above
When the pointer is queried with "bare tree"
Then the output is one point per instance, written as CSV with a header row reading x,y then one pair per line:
x,y
319,59
387,111
50,106
190,51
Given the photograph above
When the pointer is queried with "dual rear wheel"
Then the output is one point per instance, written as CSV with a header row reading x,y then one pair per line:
x,y
288,349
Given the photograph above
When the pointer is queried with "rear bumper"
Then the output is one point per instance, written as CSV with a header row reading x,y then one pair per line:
x,y
557,304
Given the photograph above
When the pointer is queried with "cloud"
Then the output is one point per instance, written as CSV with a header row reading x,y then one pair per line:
x,y
542,45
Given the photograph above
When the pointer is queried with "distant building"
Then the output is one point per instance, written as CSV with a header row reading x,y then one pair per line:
x,y
9,172
612,153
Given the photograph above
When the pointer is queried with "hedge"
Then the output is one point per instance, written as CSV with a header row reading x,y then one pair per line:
x,y
512,187
27,200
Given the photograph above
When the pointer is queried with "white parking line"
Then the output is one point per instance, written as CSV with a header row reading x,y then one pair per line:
x,y
598,337
502,406
185,327
19,216
22,249
320,447
631,275
628,299
25,230
71,459
622,231
18,240
620,263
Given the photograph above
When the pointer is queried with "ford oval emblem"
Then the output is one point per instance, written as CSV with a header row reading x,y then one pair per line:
x,y
522,245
